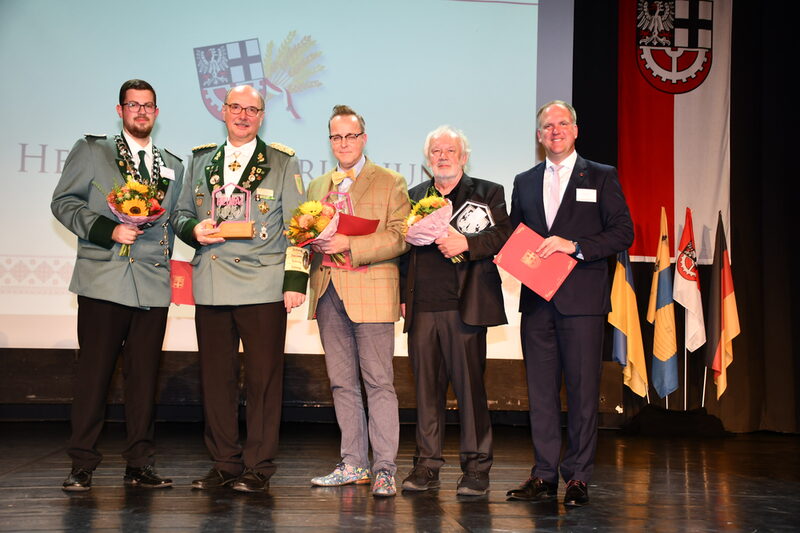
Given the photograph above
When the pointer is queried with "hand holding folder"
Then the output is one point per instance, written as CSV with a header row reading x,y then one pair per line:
x,y
542,276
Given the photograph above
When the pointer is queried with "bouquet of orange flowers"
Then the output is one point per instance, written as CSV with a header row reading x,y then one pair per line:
x,y
313,221
136,204
428,220
309,221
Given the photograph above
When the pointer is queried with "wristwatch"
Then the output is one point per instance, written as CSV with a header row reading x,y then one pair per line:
x,y
577,248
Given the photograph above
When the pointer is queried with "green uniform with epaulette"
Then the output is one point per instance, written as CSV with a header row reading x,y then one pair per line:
x,y
238,288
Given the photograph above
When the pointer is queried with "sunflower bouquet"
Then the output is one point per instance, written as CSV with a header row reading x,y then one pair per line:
x,y
428,220
136,204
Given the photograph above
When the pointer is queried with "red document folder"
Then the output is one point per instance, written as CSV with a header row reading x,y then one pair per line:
x,y
351,225
542,276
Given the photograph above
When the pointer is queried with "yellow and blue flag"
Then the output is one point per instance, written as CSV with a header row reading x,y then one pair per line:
x,y
624,316
661,313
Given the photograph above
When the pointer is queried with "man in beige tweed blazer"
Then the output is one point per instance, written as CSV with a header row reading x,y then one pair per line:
x,y
356,309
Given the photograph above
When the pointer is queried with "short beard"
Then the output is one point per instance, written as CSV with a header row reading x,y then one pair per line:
x,y
446,176
140,132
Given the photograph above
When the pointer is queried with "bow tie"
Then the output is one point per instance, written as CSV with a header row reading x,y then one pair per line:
x,y
338,176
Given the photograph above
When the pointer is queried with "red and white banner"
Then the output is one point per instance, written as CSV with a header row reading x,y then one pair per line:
x,y
674,116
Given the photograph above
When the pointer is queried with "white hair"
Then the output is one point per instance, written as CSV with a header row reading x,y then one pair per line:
x,y
446,130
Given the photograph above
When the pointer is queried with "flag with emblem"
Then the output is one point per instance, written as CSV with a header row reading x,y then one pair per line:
x,y
624,316
674,74
686,289
180,273
661,313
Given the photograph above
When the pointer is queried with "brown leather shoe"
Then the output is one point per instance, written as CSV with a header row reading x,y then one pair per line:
x,y
421,478
577,493
251,481
214,479
145,476
78,480
473,483
534,489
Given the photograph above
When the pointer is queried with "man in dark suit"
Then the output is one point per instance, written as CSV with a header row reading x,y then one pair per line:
x,y
122,298
243,289
448,306
578,206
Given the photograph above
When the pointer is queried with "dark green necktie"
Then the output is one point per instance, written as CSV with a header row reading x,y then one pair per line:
x,y
142,167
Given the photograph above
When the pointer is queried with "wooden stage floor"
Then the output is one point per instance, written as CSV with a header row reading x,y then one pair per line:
x,y
737,483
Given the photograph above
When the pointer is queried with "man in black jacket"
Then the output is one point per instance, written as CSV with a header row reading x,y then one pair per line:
x,y
450,294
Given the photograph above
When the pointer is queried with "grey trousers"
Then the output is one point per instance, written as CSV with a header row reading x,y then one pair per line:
x,y
353,351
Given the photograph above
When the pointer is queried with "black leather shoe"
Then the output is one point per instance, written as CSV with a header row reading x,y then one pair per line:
x,y
214,479
78,480
473,483
577,494
145,476
534,489
251,481
421,478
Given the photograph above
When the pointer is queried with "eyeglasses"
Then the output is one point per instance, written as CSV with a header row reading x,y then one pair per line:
x,y
251,111
350,137
136,107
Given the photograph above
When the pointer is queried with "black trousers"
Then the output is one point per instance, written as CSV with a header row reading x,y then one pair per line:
x,y
106,329
443,349
554,345
262,330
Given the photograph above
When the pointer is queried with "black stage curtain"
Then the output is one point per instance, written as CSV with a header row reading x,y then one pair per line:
x,y
763,379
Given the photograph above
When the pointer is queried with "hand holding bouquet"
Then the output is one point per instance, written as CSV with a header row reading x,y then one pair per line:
x,y
312,221
134,203
428,220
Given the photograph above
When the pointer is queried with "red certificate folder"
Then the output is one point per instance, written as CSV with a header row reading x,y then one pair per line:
x,y
351,225
542,276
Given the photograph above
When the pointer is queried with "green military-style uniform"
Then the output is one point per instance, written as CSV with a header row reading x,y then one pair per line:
x,y
238,289
122,300
93,167
246,271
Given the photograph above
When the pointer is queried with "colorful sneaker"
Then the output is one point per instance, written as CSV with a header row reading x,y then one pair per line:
x,y
384,484
343,475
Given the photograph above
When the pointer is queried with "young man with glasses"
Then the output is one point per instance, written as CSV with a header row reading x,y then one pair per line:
x,y
356,309
242,290
122,298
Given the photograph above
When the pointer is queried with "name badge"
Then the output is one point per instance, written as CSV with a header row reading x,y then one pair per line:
x,y
586,195
168,173
266,194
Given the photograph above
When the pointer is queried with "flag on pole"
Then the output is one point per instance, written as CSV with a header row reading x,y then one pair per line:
x,y
686,290
661,313
624,316
723,317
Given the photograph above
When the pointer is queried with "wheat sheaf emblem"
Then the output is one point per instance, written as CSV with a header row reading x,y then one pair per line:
x,y
291,69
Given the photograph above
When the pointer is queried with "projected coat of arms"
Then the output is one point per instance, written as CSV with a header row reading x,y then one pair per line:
x,y
283,72
674,43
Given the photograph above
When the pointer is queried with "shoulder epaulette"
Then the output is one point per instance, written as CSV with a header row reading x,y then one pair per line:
x,y
173,155
95,135
203,147
282,148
